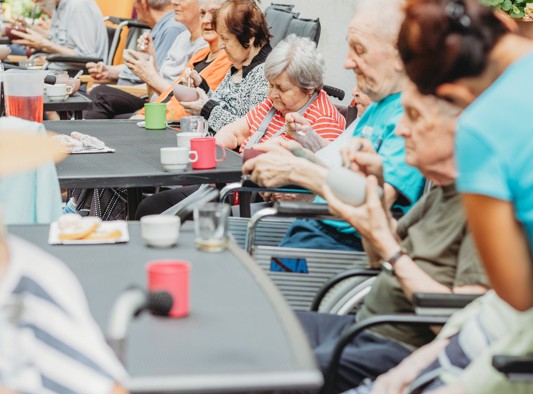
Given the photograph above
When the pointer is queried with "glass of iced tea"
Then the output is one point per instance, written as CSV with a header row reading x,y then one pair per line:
x,y
24,94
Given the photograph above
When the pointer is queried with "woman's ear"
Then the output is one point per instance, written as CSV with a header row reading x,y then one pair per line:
x,y
456,93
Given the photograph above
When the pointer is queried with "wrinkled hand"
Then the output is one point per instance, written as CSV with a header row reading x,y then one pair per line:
x,y
271,169
145,44
360,156
142,68
98,70
370,219
191,78
296,124
195,107
31,39
397,380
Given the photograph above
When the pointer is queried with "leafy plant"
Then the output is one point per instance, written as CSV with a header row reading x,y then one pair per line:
x,y
23,8
515,8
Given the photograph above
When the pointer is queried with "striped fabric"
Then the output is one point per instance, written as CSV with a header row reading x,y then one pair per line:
x,y
49,342
324,117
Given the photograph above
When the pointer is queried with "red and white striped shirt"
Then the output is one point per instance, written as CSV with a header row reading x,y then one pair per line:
x,y
325,120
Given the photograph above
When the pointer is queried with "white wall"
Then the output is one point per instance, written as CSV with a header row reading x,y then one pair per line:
x,y
334,18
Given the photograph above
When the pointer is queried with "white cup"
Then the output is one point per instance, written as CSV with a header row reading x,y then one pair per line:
x,y
184,139
160,231
177,158
348,186
58,92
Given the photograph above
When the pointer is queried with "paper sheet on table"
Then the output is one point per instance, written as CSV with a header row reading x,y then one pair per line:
x,y
330,155
106,149
103,229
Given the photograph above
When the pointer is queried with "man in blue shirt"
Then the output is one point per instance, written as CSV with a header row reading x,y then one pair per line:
x,y
375,61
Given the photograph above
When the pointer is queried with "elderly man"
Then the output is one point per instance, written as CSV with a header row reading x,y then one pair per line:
x,y
77,29
374,59
428,250
108,101
159,16
111,104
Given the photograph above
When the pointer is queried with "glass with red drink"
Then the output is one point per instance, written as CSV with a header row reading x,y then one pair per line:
x,y
24,94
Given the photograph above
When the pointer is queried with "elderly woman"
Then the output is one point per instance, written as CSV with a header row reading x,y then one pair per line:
x,y
244,33
295,72
210,64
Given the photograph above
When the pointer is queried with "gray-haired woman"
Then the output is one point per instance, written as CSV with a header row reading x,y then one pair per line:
x,y
296,107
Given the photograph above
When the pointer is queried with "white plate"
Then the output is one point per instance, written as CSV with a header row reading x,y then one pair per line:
x,y
121,225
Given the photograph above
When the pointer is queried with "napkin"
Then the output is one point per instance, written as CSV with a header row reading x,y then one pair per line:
x,y
83,143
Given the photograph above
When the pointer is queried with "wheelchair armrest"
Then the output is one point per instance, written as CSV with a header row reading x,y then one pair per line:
x,y
331,373
441,304
514,365
339,278
301,209
248,186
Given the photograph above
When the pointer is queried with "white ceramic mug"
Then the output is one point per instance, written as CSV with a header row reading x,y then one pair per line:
x,y
160,231
184,139
348,186
177,158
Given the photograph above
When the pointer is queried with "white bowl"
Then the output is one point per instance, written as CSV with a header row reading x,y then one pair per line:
x,y
160,231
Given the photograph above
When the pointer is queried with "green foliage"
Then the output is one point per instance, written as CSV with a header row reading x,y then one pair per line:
x,y
515,8
23,8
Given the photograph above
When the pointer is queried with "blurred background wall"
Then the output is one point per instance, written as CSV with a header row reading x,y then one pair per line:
x,y
334,18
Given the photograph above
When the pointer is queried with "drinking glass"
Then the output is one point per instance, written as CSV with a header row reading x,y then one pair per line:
x,y
211,226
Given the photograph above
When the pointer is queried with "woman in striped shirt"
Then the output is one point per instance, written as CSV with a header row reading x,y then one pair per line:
x,y
296,107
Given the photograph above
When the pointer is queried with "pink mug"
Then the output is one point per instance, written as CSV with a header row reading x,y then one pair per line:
x,y
171,276
206,151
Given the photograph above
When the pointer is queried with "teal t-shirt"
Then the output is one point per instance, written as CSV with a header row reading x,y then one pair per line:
x,y
494,147
378,124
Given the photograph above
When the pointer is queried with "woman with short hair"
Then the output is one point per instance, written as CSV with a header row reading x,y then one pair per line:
x,y
295,72
245,37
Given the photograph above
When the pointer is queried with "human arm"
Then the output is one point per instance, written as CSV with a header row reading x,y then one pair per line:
x,y
502,245
374,225
399,378
34,40
146,70
300,129
101,71
279,167
232,135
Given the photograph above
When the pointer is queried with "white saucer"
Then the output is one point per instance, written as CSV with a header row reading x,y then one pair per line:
x,y
174,167
56,99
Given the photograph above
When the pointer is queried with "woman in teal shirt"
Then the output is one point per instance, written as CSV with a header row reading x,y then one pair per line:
x,y
463,52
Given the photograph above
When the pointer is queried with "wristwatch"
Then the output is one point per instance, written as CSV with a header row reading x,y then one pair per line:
x,y
388,265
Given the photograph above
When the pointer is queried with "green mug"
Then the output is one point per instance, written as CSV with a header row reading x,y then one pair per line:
x,y
155,116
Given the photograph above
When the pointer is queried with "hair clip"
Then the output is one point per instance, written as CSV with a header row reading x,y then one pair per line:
x,y
455,10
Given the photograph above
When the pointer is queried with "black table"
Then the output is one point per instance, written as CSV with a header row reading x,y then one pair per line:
x,y
136,162
76,103
240,336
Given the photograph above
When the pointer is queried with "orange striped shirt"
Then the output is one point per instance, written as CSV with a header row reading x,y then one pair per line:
x,y
325,120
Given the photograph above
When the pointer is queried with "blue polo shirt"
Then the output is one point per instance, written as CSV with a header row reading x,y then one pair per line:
x,y
378,124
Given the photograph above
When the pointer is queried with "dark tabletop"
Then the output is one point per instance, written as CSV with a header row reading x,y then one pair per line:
x,y
240,336
76,102
136,161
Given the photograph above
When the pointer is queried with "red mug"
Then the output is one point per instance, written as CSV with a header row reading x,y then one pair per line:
x,y
171,276
206,151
